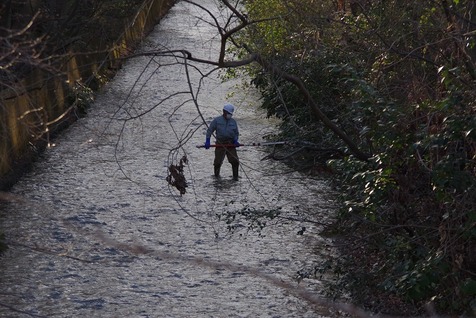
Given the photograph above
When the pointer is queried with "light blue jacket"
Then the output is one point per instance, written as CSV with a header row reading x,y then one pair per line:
x,y
226,129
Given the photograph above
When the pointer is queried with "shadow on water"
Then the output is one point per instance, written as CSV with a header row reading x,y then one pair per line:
x,y
224,183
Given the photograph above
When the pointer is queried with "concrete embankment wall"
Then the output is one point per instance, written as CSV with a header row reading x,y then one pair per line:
x,y
41,104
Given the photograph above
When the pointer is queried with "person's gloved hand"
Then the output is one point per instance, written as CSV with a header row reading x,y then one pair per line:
x,y
236,143
207,143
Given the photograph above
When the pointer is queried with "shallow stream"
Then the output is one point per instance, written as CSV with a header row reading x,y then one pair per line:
x,y
96,231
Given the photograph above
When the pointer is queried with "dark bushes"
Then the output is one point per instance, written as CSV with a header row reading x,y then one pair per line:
x,y
398,77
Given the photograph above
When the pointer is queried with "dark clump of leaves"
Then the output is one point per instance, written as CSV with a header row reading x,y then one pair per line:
x,y
176,177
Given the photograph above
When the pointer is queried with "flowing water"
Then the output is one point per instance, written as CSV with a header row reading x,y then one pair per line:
x,y
96,231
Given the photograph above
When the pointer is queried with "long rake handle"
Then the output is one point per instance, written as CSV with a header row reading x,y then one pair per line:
x,y
254,144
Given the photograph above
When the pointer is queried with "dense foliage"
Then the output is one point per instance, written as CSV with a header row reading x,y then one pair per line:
x,y
399,77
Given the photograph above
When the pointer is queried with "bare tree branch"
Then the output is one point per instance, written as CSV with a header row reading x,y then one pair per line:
x,y
253,57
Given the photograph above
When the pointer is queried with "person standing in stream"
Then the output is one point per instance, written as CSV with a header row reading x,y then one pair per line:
x,y
227,134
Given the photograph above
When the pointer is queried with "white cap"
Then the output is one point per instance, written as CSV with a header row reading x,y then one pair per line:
x,y
229,108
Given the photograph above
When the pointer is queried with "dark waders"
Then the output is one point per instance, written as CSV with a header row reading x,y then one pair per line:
x,y
231,155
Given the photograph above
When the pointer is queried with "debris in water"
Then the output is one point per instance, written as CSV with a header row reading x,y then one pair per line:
x,y
176,178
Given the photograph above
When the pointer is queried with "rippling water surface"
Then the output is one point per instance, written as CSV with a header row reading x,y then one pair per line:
x,y
96,231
